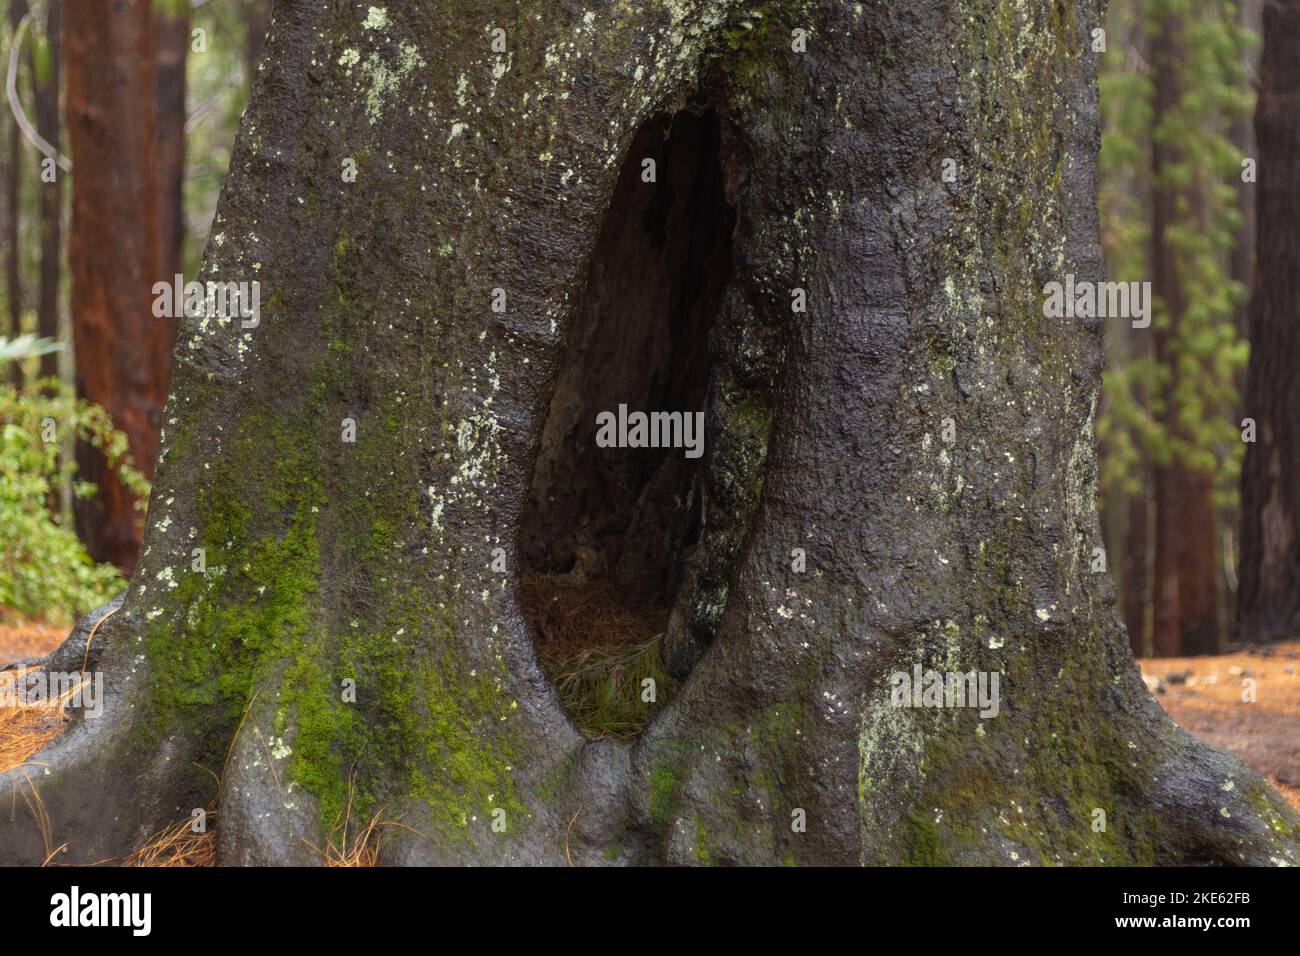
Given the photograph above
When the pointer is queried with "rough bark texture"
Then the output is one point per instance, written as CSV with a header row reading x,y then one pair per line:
x,y
371,561
122,351
45,94
1269,598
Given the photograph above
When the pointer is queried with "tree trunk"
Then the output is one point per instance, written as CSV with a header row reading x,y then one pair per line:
x,y
122,351
1137,561
1198,545
1249,17
329,561
257,14
1198,564
45,94
171,32
1269,595
13,185
1167,484
1136,589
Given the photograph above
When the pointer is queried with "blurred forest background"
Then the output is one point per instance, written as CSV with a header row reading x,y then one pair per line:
x,y
117,132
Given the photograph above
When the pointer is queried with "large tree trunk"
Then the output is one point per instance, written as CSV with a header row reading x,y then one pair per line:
x,y
122,351
329,561
45,94
1269,597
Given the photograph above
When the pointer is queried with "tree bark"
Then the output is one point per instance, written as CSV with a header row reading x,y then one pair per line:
x,y
330,561
13,207
122,351
45,90
1269,596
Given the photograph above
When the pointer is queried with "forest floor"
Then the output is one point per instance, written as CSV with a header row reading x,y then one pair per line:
x,y
19,641
1203,694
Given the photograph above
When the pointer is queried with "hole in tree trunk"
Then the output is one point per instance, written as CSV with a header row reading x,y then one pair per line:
x,y
608,530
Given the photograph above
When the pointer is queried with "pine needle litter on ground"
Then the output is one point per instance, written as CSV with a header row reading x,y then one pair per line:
x,y
599,652
27,726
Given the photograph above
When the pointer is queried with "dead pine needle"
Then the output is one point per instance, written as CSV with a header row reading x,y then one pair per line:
x,y
179,845
603,657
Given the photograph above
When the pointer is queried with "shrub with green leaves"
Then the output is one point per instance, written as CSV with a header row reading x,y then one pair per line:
x,y
44,570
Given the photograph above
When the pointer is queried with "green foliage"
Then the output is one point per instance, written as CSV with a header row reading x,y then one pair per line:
x,y
44,570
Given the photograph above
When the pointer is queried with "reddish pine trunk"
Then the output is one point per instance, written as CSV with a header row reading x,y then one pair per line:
x,y
45,92
1136,589
1198,555
121,349
1198,565
1136,565
13,274
171,44
1269,599
1167,487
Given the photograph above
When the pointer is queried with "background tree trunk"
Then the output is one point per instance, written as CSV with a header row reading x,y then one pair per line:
x,y
122,351
171,40
371,561
1198,564
1136,588
1198,546
257,14
13,185
45,93
1269,596
1169,485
